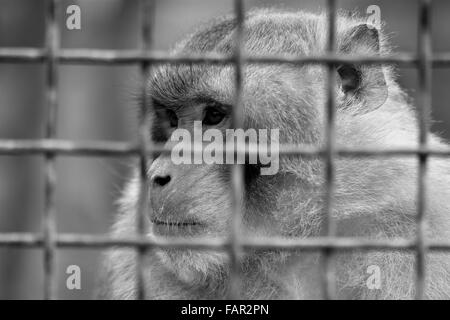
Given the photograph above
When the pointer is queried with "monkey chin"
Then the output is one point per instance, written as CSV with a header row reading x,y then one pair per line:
x,y
191,267
195,268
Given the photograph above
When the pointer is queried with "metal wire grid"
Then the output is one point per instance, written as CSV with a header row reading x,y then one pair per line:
x,y
49,239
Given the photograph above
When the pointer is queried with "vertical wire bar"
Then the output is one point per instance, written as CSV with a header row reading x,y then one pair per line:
x,y
425,78
237,176
328,277
49,221
147,8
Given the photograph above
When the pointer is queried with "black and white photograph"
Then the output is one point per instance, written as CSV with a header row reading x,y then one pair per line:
x,y
240,151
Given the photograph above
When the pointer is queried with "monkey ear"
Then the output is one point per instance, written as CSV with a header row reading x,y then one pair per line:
x,y
364,84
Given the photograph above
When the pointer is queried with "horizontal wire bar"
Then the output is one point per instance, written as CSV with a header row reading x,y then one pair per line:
x,y
116,149
66,240
100,56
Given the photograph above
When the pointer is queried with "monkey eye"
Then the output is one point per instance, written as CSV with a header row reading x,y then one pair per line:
x,y
213,116
173,119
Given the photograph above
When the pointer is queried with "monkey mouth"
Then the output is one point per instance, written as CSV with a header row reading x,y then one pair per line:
x,y
175,223
175,228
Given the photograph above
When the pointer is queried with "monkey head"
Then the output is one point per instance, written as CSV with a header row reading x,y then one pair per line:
x,y
189,200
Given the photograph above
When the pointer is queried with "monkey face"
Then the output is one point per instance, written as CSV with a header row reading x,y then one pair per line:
x,y
188,199
195,199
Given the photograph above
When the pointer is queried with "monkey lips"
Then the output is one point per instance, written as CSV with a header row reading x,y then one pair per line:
x,y
176,228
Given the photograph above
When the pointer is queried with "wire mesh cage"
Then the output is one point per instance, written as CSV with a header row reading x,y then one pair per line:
x,y
49,239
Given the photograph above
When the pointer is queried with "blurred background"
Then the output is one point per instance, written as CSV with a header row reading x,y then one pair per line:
x,y
97,102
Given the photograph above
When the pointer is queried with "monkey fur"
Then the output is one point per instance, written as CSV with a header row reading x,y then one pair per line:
x,y
374,198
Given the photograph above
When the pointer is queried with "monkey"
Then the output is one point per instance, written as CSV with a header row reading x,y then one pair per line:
x,y
373,197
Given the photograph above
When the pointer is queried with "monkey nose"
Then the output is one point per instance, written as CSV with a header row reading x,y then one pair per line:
x,y
161,181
